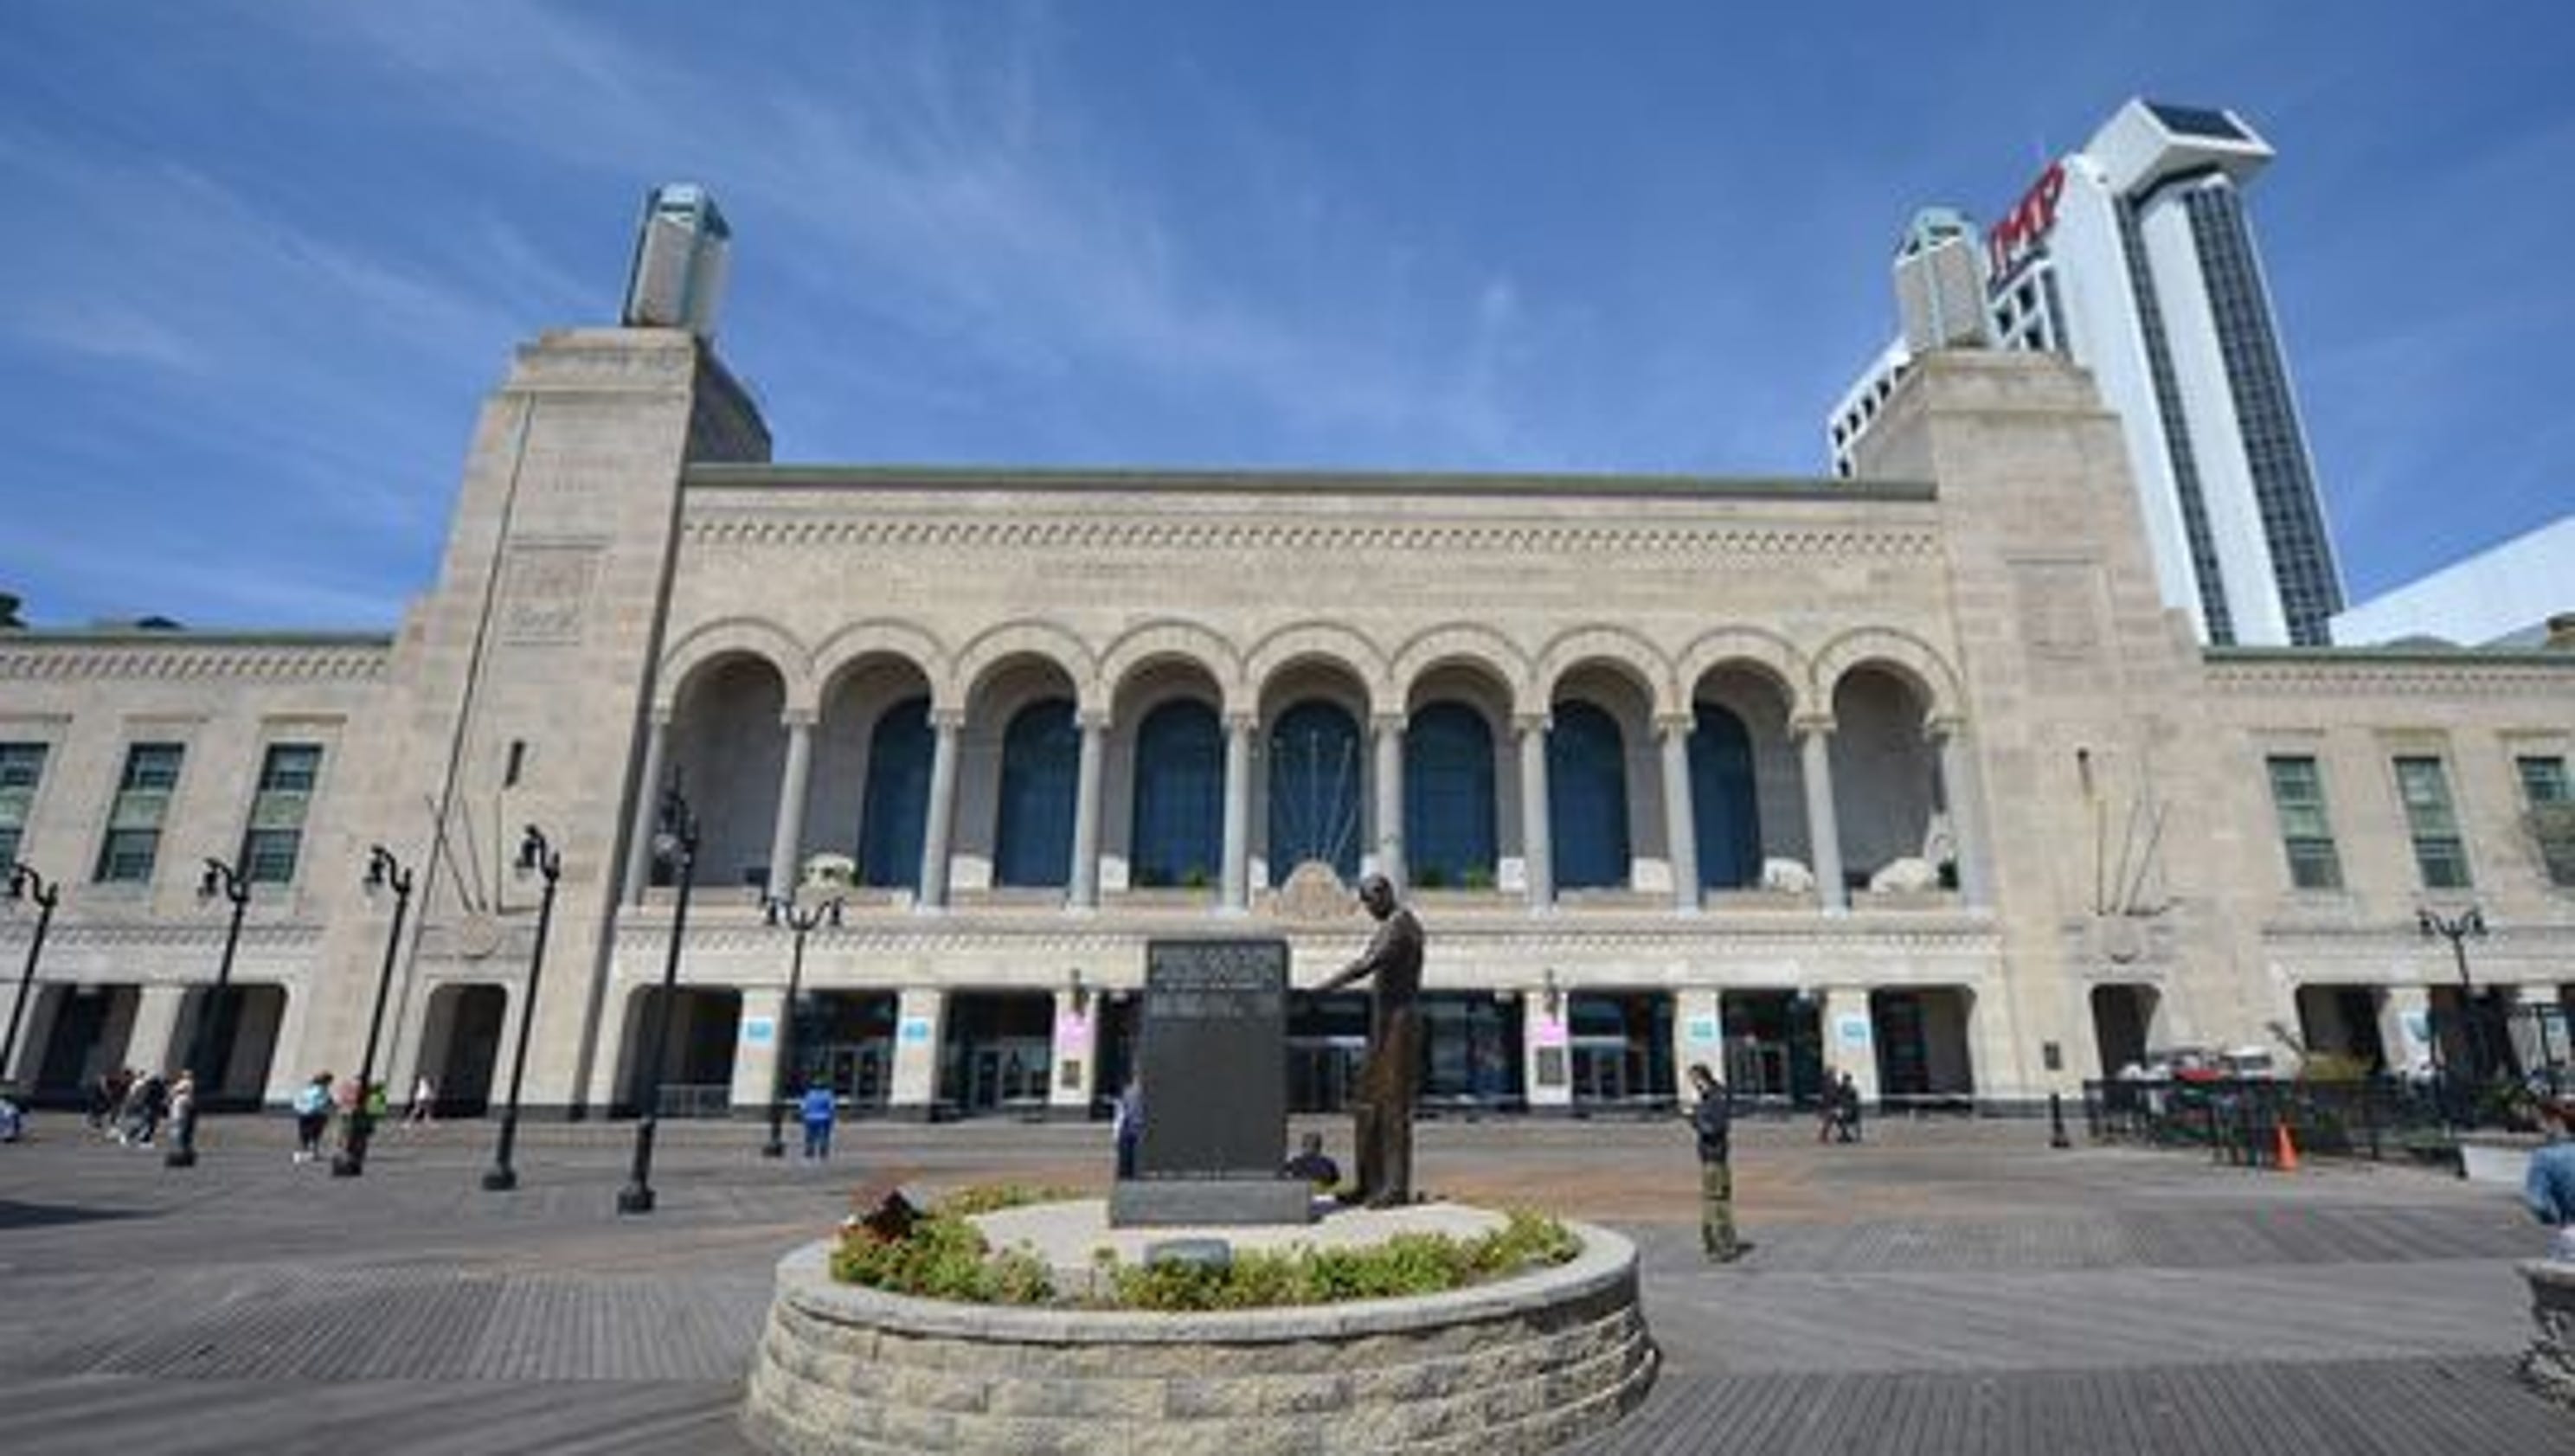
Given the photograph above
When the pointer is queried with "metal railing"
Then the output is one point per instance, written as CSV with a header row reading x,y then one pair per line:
x,y
2238,1121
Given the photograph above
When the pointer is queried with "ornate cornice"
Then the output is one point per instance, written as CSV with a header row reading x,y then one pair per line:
x,y
1017,531
84,658
150,935
2319,674
1522,933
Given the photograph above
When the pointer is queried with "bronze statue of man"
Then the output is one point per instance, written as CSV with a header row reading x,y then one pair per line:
x,y
1383,1101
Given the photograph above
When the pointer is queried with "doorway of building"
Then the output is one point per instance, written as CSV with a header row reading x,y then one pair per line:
x,y
2123,1024
1470,1058
1774,1046
696,1051
1620,1046
997,1052
2342,1021
240,1041
1327,1042
90,1026
1922,1058
460,1046
845,1041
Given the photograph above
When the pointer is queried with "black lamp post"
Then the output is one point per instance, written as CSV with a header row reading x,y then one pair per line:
x,y
25,884
545,860
383,870
676,839
783,910
226,881
2458,929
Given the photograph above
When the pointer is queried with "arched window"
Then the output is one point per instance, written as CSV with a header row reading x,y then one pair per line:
x,y
1587,798
1040,767
1722,806
1314,791
1448,796
896,806
1179,832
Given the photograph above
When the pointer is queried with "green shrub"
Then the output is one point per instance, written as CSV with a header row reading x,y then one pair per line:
x,y
1406,1265
994,1197
946,1257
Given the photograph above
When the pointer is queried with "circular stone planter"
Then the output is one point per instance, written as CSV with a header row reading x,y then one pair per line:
x,y
1520,1365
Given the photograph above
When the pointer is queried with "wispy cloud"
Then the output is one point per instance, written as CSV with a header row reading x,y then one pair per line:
x,y
955,185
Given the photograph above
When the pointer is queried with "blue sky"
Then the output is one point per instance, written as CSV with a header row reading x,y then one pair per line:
x,y
263,259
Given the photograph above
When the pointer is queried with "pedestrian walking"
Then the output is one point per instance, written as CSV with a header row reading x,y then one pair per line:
x,y
183,1111
1128,1126
1712,1119
424,1103
312,1116
1846,1110
816,1109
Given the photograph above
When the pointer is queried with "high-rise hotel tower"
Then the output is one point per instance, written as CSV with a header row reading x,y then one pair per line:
x,y
2135,258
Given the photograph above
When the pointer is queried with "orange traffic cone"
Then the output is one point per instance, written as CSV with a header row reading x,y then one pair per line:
x,y
2285,1149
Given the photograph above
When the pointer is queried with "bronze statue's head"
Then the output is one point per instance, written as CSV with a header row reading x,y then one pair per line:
x,y
1378,894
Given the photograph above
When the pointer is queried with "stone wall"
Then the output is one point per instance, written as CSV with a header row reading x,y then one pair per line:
x,y
1519,1366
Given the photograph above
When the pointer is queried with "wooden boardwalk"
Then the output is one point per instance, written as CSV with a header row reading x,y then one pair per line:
x,y
1952,1289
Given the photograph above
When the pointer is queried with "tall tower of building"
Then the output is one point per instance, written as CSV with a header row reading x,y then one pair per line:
x,y
1939,287
678,276
2133,256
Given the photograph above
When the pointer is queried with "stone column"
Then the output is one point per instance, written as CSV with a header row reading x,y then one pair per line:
x,y
27,1058
918,1014
948,723
156,1020
1543,1040
1845,1013
1388,857
1085,890
1075,1069
1824,832
1699,1036
1535,851
755,1063
1966,831
787,846
1680,820
1237,811
639,848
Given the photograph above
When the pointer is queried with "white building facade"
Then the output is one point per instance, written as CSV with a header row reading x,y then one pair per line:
x,y
1914,774
2134,257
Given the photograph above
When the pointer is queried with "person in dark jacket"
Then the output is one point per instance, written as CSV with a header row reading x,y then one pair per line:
x,y
1714,1119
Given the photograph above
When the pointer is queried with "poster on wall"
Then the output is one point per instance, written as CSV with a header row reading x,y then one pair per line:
x,y
759,1030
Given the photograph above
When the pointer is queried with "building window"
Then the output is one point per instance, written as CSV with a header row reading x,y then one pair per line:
x,y
895,811
2552,814
1314,791
1723,812
1041,765
134,821
1587,798
1178,834
2424,787
2298,794
276,834
1448,798
22,766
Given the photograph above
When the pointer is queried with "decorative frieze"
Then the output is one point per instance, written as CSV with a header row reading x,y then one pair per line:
x,y
948,531
73,660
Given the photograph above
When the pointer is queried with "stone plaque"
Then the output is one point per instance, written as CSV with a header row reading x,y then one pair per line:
x,y
1213,1056
545,593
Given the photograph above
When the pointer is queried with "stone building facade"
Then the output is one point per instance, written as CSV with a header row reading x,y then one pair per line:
x,y
1909,775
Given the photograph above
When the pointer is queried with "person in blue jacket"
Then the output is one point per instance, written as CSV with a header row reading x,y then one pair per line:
x,y
2549,1188
816,1109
